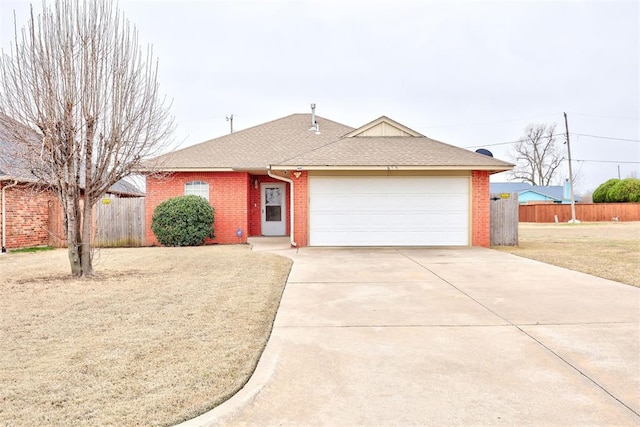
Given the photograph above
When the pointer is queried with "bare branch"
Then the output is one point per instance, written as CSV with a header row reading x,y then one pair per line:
x,y
77,82
537,157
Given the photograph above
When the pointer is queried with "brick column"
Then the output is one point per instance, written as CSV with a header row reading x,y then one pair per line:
x,y
301,209
480,209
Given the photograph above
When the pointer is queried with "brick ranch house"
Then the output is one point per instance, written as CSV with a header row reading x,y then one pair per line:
x,y
30,213
326,184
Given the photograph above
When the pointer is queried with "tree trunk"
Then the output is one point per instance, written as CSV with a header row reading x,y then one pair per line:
x,y
87,220
72,223
82,96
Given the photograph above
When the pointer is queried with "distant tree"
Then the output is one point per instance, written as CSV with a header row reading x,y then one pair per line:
x,y
625,190
537,156
600,193
78,80
586,197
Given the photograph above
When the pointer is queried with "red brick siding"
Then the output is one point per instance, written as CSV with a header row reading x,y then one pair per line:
x,y
237,203
301,208
27,217
480,214
228,194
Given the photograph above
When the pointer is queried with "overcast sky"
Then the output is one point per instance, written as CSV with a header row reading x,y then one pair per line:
x,y
472,74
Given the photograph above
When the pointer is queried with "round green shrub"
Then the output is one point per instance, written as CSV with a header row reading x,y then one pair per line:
x,y
183,221
600,193
626,190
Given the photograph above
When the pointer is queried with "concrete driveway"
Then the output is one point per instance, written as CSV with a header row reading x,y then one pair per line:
x,y
452,336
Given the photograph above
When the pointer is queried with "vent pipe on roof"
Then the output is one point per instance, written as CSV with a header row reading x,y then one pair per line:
x,y
313,117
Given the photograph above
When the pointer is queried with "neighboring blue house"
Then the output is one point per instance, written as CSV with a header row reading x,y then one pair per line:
x,y
528,193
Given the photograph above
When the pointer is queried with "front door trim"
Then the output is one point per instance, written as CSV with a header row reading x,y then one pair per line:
x,y
273,209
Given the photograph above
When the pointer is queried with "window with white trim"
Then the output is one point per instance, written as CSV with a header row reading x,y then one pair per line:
x,y
197,188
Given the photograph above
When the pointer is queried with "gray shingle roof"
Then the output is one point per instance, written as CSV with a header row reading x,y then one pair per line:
x,y
555,192
288,143
256,147
13,167
509,187
415,151
126,188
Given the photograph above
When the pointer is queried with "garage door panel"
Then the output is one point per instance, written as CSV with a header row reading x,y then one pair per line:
x,y
428,202
362,238
388,211
383,221
371,202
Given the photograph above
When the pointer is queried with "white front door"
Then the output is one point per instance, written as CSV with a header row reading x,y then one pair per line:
x,y
274,209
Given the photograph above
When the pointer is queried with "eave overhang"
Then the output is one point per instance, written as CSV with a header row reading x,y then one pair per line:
x,y
492,169
184,169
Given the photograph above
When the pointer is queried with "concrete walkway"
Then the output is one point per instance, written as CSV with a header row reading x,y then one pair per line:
x,y
466,336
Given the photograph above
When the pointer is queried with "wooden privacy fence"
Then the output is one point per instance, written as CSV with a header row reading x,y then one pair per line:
x,y
118,222
504,219
587,212
57,238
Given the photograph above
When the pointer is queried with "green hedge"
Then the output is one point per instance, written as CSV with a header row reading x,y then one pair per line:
x,y
183,221
600,193
627,190
618,191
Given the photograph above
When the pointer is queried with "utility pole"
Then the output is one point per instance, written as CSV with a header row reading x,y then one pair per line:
x,y
230,120
573,201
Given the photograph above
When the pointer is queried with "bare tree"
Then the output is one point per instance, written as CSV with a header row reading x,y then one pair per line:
x,y
537,156
77,78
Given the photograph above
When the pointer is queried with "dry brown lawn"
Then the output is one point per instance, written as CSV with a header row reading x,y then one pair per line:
x,y
159,336
605,249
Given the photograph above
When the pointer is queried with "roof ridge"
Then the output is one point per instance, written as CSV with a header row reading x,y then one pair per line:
x,y
322,146
241,131
312,150
466,150
230,134
324,118
373,123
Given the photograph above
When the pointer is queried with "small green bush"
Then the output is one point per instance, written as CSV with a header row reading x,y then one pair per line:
x,y
183,221
600,193
626,190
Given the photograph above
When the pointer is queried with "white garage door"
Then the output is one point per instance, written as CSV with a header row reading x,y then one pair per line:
x,y
388,211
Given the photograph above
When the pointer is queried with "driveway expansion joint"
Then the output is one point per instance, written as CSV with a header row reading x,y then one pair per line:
x,y
304,379
575,323
391,326
540,343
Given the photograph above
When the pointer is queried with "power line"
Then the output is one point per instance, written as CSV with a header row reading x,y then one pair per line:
x,y
491,145
540,116
607,137
606,117
572,133
607,161
488,123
